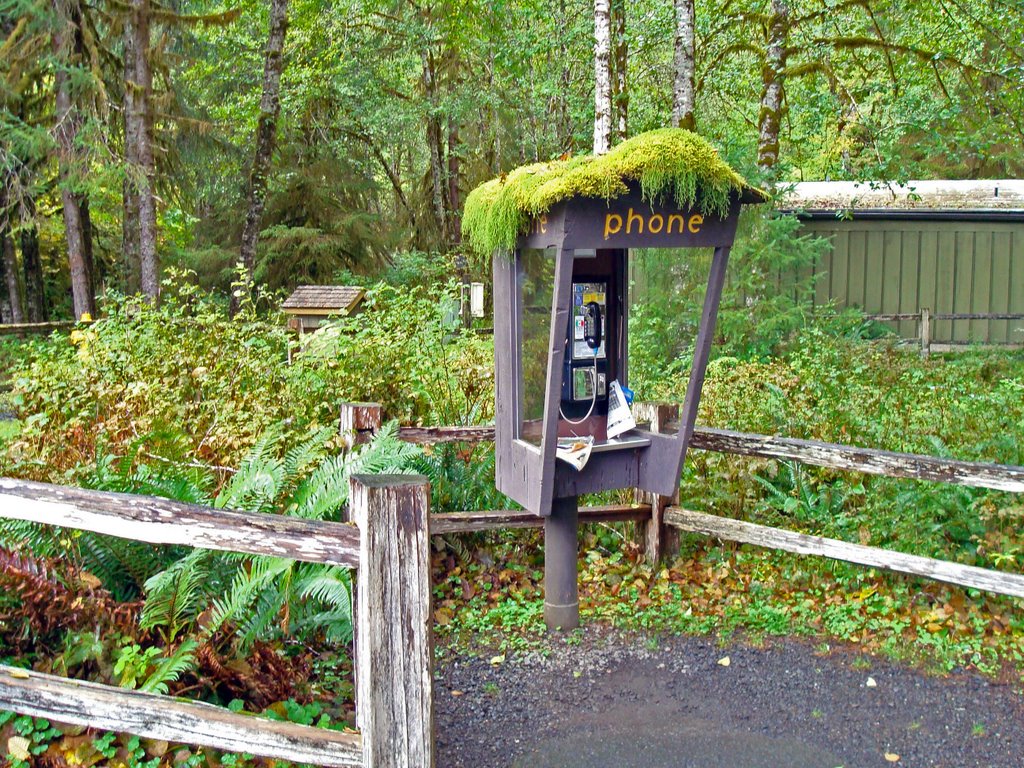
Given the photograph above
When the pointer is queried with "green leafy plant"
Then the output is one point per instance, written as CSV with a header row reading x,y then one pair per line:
x,y
33,736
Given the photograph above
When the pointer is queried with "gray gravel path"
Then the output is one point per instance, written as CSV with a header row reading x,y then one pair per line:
x,y
610,700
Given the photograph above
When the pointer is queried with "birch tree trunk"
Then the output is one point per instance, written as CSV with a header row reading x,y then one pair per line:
x,y
602,77
621,67
684,97
266,137
773,87
66,132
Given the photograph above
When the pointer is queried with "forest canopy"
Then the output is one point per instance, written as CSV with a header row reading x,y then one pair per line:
x,y
311,141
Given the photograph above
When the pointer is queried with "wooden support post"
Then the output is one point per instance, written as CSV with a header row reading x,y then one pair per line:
x,y
926,331
394,621
561,565
359,422
658,538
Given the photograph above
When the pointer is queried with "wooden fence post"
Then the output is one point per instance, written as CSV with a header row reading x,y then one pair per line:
x,y
926,331
358,422
657,536
394,621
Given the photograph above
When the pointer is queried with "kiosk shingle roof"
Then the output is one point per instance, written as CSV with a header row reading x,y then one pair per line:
x,y
323,297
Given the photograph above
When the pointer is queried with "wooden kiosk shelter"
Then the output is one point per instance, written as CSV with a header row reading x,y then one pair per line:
x,y
310,305
560,235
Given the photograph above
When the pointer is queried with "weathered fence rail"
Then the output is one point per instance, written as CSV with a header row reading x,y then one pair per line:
x,y
500,519
161,521
390,548
926,317
1001,477
25,329
660,512
805,544
161,717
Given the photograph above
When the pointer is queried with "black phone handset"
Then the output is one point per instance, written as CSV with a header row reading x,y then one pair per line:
x,y
593,333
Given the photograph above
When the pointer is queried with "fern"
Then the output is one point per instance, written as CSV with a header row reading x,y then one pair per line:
x,y
323,493
259,478
174,596
171,668
245,590
258,596
300,458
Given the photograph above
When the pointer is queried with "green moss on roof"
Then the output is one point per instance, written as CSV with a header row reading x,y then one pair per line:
x,y
666,162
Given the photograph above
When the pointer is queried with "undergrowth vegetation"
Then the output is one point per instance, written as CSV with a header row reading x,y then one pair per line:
x,y
180,401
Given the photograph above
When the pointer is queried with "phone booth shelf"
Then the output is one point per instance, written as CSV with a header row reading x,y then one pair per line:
x,y
561,309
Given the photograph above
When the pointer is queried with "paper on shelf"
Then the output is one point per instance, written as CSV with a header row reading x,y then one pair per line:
x,y
575,451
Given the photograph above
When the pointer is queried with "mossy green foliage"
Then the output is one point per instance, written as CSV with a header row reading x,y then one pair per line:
x,y
669,162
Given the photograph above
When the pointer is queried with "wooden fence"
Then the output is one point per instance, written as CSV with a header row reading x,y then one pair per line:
x,y
659,512
31,329
389,545
925,320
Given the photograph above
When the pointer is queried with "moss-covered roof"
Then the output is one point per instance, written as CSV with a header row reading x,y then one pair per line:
x,y
666,162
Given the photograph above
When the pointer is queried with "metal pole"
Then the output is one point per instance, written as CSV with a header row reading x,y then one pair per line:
x,y
561,548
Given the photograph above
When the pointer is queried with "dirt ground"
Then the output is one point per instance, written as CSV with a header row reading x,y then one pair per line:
x,y
604,699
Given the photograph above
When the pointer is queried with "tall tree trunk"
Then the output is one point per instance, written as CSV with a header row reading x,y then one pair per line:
x,y
684,97
565,127
621,87
66,130
129,189
149,264
31,263
85,213
9,259
773,92
10,267
454,169
435,145
602,78
10,262
266,138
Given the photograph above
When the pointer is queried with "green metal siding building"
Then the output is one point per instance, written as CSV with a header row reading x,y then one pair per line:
x,y
949,247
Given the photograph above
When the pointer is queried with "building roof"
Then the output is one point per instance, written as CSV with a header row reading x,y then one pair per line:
x,y
993,197
323,299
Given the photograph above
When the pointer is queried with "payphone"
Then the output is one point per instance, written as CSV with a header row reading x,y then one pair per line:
x,y
594,356
585,379
559,234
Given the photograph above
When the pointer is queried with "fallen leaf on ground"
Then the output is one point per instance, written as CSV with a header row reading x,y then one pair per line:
x,y
457,693
892,757
498,659
724,661
17,747
871,683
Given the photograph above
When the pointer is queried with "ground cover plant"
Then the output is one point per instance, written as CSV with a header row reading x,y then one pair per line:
x,y
104,406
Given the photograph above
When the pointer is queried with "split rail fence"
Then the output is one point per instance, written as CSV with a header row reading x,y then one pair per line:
x,y
662,516
388,545
926,317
